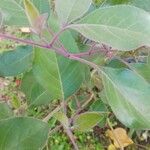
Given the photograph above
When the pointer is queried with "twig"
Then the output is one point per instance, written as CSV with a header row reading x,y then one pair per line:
x,y
77,101
58,108
82,107
29,42
56,36
139,145
55,129
51,32
88,101
93,65
61,51
68,130
92,51
64,106
70,135
50,115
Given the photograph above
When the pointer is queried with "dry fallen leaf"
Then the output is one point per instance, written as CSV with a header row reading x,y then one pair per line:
x,y
25,30
119,137
111,147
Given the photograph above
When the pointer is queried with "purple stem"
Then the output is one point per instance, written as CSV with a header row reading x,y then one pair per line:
x,y
29,42
93,65
57,50
56,36
32,43
61,50
88,53
59,42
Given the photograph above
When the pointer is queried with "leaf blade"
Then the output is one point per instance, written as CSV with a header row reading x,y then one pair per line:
x,y
123,31
65,74
86,121
31,12
5,111
61,77
36,95
127,94
10,8
29,133
16,61
71,9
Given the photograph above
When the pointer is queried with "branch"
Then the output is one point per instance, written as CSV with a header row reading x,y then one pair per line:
x,y
56,36
51,32
88,53
29,42
71,136
61,51
93,65
82,107
50,115
32,43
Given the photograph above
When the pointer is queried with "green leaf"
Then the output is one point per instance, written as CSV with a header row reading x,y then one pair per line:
x,y
62,118
142,69
98,106
23,134
1,19
144,4
14,13
128,95
86,121
123,27
42,6
36,95
115,63
60,76
15,102
31,11
5,111
148,58
36,20
16,61
113,2
71,10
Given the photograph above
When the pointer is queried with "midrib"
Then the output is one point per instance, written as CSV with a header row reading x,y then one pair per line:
x,y
60,79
